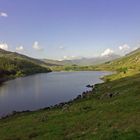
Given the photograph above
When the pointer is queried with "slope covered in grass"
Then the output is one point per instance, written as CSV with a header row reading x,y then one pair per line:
x,y
125,66
110,112
96,117
15,65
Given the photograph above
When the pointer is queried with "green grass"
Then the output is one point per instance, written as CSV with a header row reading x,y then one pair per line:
x,y
14,65
99,116
72,68
129,65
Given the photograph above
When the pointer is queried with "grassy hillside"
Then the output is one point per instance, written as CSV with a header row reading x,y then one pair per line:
x,y
13,55
131,61
126,66
53,62
83,61
91,61
80,64
110,112
72,68
15,65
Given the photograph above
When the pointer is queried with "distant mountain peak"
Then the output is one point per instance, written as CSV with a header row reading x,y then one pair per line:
x,y
133,52
86,61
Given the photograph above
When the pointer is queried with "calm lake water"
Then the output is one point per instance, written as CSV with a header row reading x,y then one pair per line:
x,y
42,90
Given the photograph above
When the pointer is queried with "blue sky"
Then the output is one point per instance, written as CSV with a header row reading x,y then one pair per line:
x,y
68,29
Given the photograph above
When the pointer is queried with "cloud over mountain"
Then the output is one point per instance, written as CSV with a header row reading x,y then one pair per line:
x,y
124,47
36,46
107,52
20,48
4,46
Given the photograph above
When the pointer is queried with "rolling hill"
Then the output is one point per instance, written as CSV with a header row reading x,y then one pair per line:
x,y
91,61
125,66
83,61
111,111
24,57
52,62
15,65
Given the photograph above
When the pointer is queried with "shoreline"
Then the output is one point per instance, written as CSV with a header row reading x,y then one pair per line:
x,y
59,105
14,77
83,95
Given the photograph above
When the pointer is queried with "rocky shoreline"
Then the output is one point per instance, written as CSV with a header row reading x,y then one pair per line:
x,y
2,80
63,105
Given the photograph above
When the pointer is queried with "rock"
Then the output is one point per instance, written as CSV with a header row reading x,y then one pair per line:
x,y
110,95
46,108
87,108
65,107
90,86
106,95
83,94
69,102
33,135
78,97
61,105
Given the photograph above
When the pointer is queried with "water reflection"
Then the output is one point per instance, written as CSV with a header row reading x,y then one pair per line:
x,y
41,90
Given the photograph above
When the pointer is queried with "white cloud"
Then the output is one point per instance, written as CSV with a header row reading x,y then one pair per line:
x,y
124,47
4,46
61,47
135,48
65,57
70,57
36,46
20,48
107,52
3,14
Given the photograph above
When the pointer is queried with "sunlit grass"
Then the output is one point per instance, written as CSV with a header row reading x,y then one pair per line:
x,y
96,117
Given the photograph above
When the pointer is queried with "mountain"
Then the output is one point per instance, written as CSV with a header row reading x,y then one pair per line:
x,y
133,52
111,111
92,61
13,65
83,61
125,66
24,57
51,62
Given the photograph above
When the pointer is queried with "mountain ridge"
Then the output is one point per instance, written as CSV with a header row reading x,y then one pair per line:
x,y
22,56
84,61
14,65
111,107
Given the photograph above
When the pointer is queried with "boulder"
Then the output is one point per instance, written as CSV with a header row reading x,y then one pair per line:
x,y
90,86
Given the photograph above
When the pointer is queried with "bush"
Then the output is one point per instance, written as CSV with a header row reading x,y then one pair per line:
x,y
123,69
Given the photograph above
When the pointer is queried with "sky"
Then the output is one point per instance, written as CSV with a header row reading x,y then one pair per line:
x,y
69,29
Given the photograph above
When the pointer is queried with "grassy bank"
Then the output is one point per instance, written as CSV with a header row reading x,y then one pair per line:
x,y
110,112
72,68
10,69
13,65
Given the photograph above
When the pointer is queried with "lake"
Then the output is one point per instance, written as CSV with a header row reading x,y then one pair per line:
x,y
42,90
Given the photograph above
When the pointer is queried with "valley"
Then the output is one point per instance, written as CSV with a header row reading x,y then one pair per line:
x,y
110,107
